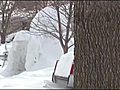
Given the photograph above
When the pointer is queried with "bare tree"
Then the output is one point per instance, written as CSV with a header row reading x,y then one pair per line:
x,y
97,45
6,8
63,30
31,7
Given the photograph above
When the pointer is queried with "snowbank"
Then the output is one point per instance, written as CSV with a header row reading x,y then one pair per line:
x,y
30,52
33,51
42,52
17,54
27,80
64,65
46,19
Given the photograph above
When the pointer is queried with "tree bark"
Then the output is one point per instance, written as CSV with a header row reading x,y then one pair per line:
x,y
3,38
97,44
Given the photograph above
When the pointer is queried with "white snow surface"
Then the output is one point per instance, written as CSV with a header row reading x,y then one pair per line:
x,y
46,19
2,47
17,55
27,80
31,59
10,37
30,52
42,52
64,65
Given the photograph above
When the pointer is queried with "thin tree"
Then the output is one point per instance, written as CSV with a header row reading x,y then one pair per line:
x,y
97,44
6,8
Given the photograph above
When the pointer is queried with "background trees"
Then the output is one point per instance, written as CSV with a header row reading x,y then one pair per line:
x,y
97,44
17,15
6,8
20,14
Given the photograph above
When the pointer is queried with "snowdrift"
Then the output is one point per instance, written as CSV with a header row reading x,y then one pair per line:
x,y
47,19
42,52
64,65
32,50
17,55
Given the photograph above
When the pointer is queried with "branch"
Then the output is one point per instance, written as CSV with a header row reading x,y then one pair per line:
x,y
59,24
41,30
53,18
68,23
70,46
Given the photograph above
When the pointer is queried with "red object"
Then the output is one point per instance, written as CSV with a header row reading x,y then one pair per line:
x,y
72,69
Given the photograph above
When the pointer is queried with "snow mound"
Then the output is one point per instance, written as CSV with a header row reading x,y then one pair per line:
x,y
1,77
47,19
22,35
64,65
42,52
27,80
17,54
36,51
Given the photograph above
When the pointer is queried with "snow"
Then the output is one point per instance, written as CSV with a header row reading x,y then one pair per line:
x,y
30,52
46,49
27,80
47,20
42,52
32,57
2,47
17,55
42,20
10,37
22,36
64,65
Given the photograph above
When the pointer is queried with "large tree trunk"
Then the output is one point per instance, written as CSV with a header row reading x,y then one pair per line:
x,y
97,44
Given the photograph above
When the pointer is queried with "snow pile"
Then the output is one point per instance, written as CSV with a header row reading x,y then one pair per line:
x,y
43,20
34,51
64,65
30,52
47,20
27,80
22,35
17,54
42,52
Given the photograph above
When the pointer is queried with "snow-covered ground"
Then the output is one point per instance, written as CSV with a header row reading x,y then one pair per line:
x,y
37,79
31,60
27,80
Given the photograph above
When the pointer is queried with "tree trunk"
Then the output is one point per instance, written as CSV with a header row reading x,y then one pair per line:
x,y
2,38
97,44
65,48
